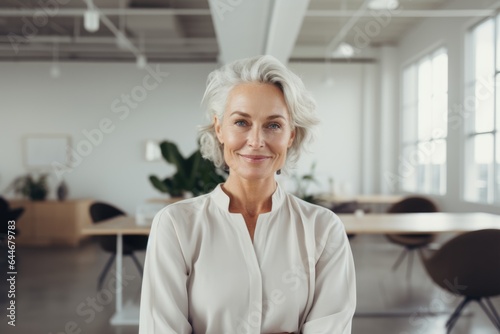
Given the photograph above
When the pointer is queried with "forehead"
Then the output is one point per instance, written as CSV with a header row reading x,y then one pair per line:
x,y
263,96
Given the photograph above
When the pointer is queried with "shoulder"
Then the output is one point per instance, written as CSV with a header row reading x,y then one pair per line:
x,y
183,212
311,210
321,220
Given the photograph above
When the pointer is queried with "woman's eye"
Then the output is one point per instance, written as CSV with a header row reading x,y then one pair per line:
x,y
274,126
240,123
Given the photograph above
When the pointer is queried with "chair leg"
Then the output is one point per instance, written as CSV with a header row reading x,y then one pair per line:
x,y
137,263
399,259
409,266
455,315
493,310
105,271
490,313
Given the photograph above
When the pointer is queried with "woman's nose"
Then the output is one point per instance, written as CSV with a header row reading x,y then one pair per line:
x,y
256,138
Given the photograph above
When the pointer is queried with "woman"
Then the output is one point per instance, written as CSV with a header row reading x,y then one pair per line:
x,y
248,257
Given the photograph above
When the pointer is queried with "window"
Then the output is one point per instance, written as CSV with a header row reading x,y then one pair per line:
x,y
424,119
479,113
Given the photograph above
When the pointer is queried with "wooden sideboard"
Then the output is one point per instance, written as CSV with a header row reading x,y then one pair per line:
x,y
52,222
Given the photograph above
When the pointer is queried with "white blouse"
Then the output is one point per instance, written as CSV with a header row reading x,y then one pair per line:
x,y
203,274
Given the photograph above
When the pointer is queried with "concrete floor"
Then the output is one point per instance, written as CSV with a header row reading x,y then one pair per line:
x,y
53,283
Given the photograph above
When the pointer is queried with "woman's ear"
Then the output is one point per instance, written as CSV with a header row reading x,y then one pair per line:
x,y
218,131
292,137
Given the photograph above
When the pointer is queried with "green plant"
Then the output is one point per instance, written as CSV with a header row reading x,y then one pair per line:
x,y
194,174
303,182
33,188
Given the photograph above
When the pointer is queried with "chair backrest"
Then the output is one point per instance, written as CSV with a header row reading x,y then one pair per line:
x,y
468,264
345,207
6,214
413,204
101,211
4,205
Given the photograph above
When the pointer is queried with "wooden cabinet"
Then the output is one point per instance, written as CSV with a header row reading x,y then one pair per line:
x,y
52,222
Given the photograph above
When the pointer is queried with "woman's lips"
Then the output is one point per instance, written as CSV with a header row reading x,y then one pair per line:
x,y
254,158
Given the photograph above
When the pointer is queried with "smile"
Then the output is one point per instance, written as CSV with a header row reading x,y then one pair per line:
x,y
255,158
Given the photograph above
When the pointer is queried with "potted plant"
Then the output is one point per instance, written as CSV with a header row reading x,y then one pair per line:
x,y
302,184
194,174
30,187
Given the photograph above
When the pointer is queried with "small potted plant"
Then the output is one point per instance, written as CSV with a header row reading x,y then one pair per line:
x,y
31,187
302,184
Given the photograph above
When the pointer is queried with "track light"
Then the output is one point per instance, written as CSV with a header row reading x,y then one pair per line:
x,y
55,70
383,4
141,61
91,20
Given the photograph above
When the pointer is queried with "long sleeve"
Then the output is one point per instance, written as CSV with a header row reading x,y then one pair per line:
x,y
164,297
335,287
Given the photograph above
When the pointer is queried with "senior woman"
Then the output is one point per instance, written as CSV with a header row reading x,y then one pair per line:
x,y
249,257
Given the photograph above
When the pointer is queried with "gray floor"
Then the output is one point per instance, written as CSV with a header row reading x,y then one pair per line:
x,y
55,285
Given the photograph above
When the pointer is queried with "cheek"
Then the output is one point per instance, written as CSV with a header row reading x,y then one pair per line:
x,y
233,139
280,144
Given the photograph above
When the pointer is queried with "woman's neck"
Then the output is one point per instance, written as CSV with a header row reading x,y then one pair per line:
x,y
250,198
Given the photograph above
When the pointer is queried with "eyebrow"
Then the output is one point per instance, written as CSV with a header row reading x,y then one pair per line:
x,y
244,114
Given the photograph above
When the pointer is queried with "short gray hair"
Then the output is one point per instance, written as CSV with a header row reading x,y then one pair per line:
x,y
261,69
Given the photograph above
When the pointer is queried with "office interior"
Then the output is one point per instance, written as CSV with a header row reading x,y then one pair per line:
x,y
405,90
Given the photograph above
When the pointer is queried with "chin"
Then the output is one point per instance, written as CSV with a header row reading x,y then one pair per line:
x,y
255,174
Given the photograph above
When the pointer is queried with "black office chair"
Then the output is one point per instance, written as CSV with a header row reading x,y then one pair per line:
x,y
131,243
7,214
468,265
411,242
346,207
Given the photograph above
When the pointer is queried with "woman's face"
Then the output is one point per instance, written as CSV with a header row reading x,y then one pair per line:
x,y
256,131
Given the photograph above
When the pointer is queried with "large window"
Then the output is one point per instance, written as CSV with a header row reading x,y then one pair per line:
x,y
480,115
424,119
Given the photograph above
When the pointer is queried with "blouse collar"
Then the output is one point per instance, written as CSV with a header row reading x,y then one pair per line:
x,y
222,199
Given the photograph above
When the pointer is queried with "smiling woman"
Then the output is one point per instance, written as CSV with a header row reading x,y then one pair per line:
x,y
248,257
256,132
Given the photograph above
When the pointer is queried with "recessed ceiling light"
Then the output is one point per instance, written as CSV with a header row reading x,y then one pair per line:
x,y
346,49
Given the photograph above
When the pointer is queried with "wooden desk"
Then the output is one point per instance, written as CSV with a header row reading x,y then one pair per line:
x,y
376,203
362,199
52,222
414,223
407,223
404,223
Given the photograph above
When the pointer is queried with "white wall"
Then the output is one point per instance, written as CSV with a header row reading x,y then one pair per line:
x,y
450,33
115,170
337,149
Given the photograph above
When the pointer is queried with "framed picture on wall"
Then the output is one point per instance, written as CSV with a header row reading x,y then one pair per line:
x,y
41,151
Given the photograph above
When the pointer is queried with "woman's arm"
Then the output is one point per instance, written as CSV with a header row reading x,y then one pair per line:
x,y
164,297
335,289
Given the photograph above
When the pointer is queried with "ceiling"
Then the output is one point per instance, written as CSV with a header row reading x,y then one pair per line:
x,y
183,30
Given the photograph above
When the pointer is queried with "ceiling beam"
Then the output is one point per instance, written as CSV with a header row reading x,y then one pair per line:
x,y
401,12
284,27
240,27
20,12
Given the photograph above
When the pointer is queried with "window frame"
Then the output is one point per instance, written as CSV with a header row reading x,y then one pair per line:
x,y
425,186
469,132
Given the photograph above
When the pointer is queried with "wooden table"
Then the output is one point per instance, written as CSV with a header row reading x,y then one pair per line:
x,y
408,223
375,203
415,223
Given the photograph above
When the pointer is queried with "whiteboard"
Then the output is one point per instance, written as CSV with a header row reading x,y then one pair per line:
x,y
43,151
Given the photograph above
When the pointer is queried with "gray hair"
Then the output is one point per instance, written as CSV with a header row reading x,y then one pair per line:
x,y
261,69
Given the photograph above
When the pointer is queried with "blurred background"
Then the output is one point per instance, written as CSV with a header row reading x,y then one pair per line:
x,y
405,90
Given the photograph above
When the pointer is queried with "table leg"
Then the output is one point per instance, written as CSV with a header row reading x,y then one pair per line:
x,y
119,272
